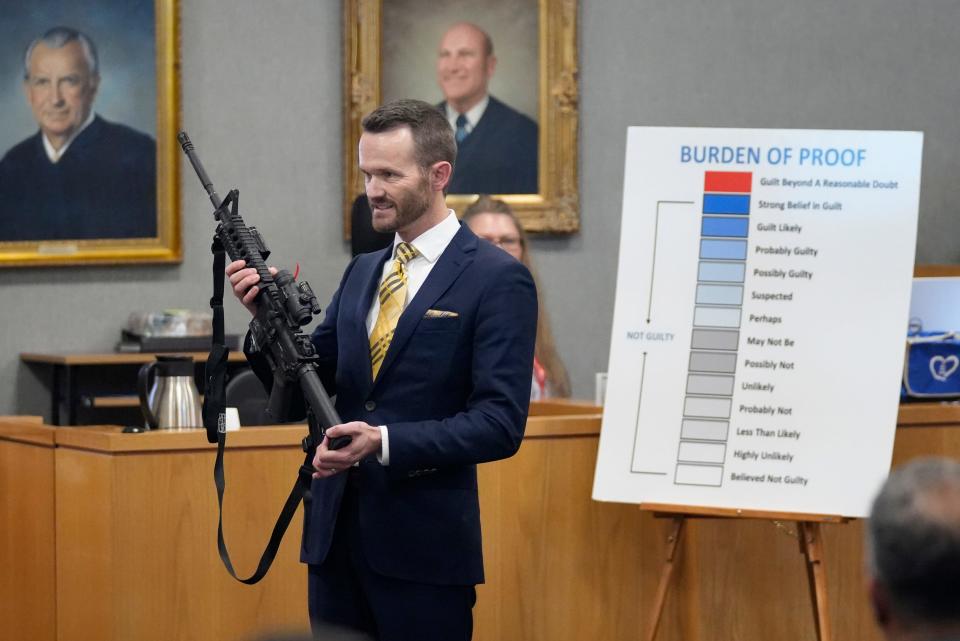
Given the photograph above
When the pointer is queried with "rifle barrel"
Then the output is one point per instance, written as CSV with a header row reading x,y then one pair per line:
x,y
187,146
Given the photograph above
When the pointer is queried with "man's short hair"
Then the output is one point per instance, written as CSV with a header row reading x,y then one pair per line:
x,y
913,541
433,139
58,37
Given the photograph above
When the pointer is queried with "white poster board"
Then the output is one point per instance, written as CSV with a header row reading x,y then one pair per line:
x,y
761,312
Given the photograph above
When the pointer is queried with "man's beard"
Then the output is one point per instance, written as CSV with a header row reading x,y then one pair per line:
x,y
411,206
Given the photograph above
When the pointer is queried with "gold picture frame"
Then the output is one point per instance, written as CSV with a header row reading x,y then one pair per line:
x,y
125,246
555,207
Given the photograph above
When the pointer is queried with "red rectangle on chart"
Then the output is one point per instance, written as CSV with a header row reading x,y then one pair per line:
x,y
729,181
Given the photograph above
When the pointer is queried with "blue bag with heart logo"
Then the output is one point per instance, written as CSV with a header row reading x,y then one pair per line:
x,y
931,367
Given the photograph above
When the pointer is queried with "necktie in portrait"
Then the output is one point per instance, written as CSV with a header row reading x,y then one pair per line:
x,y
461,128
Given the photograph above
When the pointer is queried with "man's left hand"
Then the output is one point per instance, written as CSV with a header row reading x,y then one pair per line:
x,y
364,442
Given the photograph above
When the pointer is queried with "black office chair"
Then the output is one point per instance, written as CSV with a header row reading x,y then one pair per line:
x,y
246,393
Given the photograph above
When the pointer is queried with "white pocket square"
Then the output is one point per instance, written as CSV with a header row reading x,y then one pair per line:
x,y
440,313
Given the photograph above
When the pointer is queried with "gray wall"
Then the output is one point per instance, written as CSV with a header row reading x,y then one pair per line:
x,y
261,99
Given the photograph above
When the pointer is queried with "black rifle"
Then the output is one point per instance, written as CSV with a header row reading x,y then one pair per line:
x,y
283,307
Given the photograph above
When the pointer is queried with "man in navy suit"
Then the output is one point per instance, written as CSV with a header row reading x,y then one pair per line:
x,y
392,533
80,176
497,145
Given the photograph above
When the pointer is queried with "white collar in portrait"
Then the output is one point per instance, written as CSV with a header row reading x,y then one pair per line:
x,y
56,154
474,114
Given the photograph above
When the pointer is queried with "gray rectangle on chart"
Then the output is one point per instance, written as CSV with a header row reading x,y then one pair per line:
x,y
716,385
701,452
704,430
720,294
722,272
699,475
707,407
713,362
716,316
715,339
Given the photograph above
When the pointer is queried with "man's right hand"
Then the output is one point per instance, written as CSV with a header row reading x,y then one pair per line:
x,y
244,281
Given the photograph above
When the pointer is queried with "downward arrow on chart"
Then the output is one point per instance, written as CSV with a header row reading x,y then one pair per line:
x,y
656,239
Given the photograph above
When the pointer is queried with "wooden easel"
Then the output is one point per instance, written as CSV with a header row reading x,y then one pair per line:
x,y
808,533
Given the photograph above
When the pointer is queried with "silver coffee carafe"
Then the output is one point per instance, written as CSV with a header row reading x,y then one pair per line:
x,y
171,402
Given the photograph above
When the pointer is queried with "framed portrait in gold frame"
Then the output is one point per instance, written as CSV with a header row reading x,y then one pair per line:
x,y
89,171
392,50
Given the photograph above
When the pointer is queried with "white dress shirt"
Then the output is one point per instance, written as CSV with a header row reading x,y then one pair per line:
x,y
56,154
429,245
474,114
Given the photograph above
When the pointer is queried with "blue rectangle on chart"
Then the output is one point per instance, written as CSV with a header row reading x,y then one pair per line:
x,y
726,204
719,294
716,316
722,272
728,249
728,227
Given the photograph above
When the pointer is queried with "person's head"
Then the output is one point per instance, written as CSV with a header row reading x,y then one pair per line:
x,y
60,76
913,550
465,64
407,153
494,220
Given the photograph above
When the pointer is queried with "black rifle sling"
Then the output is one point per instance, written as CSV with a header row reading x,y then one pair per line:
x,y
215,372
214,419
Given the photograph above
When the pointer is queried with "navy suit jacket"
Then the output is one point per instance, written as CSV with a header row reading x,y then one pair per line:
x,y
453,391
104,186
499,156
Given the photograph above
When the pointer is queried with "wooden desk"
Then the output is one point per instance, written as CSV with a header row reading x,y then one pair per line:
x,y
558,564
115,535
102,387
134,551
27,546
561,567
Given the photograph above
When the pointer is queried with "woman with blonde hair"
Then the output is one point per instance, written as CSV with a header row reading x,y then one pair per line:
x,y
494,220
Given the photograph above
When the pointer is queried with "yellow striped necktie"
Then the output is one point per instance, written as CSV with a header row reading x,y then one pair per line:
x,y
392,294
